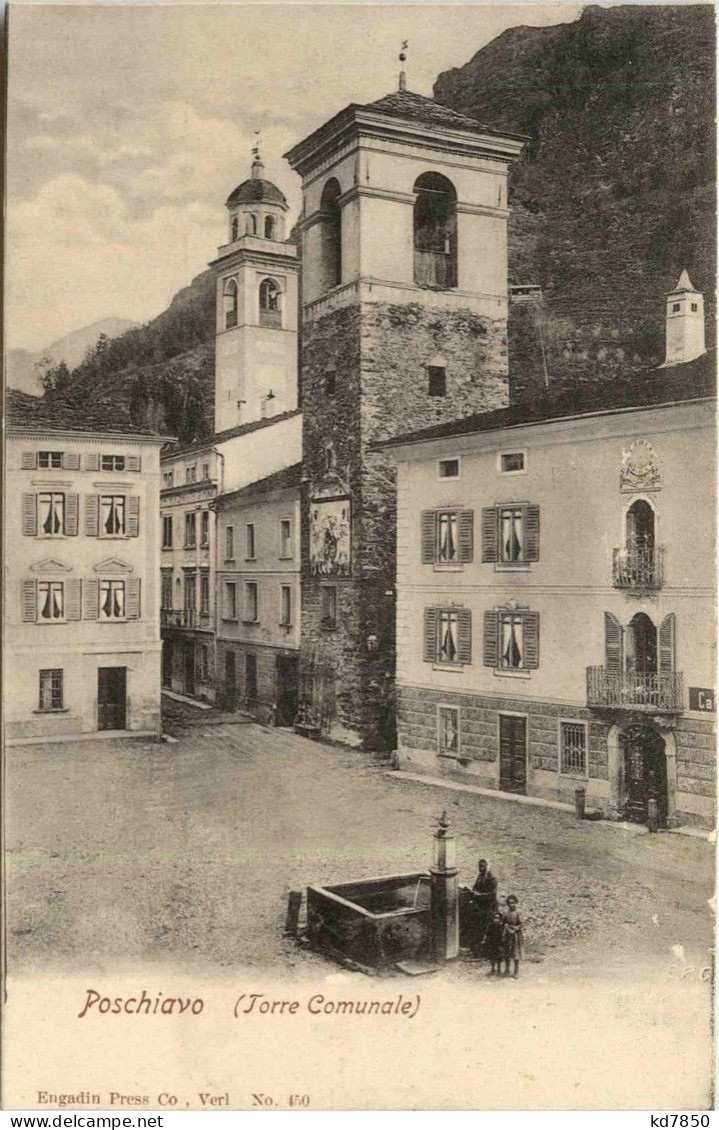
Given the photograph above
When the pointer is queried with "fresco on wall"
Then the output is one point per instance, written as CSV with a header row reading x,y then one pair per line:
x,y
330,537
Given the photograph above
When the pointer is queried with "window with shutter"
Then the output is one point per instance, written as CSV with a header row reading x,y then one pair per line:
x,y
90,599
464,636
667,644
29,460
531,533
132,609
29,601
29,515
73,594
133,462
92,515
491,639
489,533
466,535
430,635
50,601
92,461
428,527
531,640
133,515
71,460
72,503
613,643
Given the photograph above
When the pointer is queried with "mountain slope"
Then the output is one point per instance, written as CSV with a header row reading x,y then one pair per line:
x,y
616,193
24,368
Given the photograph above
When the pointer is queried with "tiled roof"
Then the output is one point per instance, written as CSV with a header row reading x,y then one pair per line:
x,y
229,433
649,388
278,480
415,107
36,412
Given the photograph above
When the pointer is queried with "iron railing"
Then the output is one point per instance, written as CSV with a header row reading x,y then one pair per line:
x,y
435,269
184,618
632,690
638,568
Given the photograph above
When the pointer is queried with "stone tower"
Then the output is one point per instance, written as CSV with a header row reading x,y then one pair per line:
x,y
404,319
257,303
685,323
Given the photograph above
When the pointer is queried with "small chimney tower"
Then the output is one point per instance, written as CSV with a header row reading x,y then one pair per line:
x,y
685,323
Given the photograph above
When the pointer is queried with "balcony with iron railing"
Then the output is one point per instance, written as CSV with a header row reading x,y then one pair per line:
x,y
435,270
185,618
635,690
638,568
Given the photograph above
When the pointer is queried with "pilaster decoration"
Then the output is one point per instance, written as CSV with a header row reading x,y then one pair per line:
x,y
640,468
112,566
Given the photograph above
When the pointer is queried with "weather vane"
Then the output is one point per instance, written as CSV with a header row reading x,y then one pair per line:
x,y
403,59
256,147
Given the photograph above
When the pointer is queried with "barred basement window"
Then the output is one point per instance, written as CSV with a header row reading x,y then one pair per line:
x,y
51,697
49,459
573,748
448,731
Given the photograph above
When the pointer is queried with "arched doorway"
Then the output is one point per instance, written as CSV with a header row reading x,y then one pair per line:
x,y
644,773
640,526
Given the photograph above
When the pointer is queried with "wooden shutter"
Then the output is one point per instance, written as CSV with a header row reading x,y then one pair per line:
x,y
531,533
489,533
29,601
491,639
132,595
430,635
464,635
92,515
90,599
613,641
72,503
71,460
29,460
29,515
429,536
92,461
530,624
73,590
667,644
132,462
465,526
133,515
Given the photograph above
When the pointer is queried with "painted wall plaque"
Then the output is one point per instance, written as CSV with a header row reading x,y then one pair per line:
x,y
640,467
330,534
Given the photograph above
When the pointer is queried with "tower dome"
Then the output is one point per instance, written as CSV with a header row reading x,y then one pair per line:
x,y
257,206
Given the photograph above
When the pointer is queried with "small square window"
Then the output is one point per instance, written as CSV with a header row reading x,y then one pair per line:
x,y
49,459
676,307
695,307
113,462
437,380
448,468
511,461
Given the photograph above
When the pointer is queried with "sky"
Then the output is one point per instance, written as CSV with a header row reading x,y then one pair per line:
x,y
129,125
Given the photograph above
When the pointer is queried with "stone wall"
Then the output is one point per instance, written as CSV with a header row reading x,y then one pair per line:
x,y
379,354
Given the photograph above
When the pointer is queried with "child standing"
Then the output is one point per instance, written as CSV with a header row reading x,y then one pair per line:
x,y
494,942
512,937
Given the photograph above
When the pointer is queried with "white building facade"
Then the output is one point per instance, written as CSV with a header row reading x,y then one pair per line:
x,y
82,581
556,605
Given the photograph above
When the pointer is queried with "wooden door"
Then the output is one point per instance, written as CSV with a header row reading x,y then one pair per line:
x,y
512,753
645,774
189,668
286,690
230,681
111,698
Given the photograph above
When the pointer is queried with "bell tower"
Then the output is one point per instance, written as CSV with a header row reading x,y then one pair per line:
x,y
685,323
256,310
404,324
